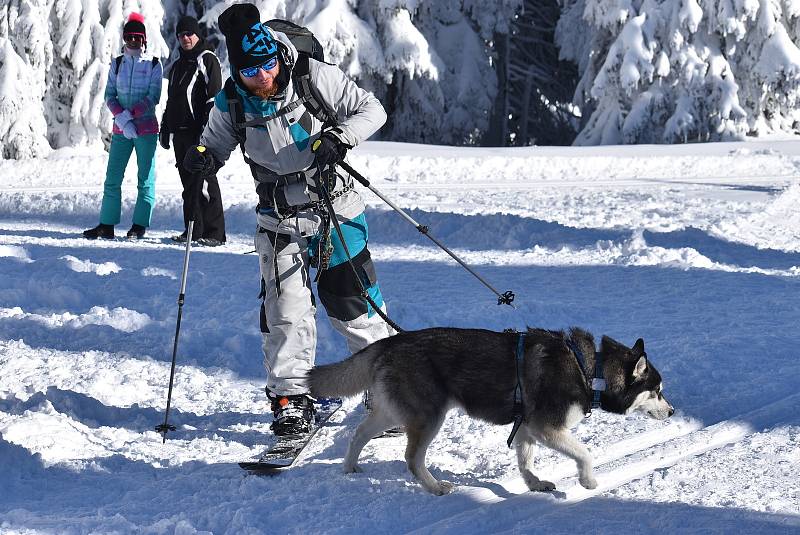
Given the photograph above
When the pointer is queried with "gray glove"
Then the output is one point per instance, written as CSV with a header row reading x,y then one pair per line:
x,y
124,122
129,130
122,119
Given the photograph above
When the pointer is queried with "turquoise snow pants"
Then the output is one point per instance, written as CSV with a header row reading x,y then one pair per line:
x,y
118,156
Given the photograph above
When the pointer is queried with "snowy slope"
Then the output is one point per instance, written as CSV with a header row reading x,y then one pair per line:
x,y
695,248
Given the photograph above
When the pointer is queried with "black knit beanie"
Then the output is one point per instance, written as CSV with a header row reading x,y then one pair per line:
x,y
188,24
249,41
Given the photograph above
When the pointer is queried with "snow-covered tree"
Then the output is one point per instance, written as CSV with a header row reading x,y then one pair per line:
x,y
25,55
447,97
54,58
665,71
429,62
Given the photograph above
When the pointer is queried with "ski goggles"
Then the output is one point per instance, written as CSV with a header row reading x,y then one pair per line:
x,y
133,37
249,72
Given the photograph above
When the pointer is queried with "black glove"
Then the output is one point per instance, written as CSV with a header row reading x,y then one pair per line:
x,y
329,150
198,159
163,138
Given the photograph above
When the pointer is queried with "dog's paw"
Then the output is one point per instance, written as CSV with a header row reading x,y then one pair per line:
x,y
541,485
354,469
444,487
588,482
535,484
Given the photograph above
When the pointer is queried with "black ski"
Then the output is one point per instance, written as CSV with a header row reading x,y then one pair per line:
x,y
283,453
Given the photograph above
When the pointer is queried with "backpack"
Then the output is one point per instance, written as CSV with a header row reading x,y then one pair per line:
x,y
308,47
118,62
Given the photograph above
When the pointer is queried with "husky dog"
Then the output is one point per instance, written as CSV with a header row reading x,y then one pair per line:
x,y
414,378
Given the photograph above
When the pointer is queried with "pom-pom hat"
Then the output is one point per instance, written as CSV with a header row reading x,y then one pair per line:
x,y
135,26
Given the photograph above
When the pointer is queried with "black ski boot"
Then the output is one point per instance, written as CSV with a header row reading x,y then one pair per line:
x,y
294,414
136,232
180,238
210,242
100,231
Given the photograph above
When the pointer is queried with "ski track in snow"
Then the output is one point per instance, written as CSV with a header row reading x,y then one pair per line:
x,y
700,262
624,462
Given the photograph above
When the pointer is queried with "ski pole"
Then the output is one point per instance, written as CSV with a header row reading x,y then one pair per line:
x,y
505,298
326,199
166,426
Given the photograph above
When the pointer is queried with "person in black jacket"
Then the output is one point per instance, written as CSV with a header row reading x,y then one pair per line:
x,y
194,79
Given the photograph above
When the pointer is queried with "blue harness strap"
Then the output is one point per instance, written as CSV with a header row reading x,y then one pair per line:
x,y
598,382
518,405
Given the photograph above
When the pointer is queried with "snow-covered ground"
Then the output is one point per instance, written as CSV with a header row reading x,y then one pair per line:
x,y
695,248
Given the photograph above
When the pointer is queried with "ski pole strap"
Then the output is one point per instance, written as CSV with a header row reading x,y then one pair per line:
x,y
518,405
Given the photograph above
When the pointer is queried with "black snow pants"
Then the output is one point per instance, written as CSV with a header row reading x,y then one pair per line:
x,y
201,195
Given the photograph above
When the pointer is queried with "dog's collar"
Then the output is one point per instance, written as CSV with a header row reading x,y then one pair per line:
x,y
598,383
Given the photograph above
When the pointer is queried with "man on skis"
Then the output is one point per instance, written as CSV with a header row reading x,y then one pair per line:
x,y
293,229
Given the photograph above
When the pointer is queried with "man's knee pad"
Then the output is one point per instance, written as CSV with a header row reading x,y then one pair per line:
x,y
340,291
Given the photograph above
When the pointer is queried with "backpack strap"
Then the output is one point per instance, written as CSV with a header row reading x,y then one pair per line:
x,y
309,94
118,61
236,111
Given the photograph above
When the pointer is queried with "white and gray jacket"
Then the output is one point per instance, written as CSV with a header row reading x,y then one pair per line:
x,y
283,145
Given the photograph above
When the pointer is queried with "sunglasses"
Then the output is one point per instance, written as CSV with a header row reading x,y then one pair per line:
x,y
185,34
133,37
249,72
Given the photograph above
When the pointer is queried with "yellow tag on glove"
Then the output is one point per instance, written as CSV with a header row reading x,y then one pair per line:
x,y
201,148
316,145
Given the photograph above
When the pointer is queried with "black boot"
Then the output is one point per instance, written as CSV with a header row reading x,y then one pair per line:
x,y
100,231
210,242
180,238
293,414
136,232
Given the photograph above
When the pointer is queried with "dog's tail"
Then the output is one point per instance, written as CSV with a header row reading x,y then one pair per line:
x,y
346,378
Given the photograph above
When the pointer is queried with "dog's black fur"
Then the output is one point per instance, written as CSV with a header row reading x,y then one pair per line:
x,y
414,377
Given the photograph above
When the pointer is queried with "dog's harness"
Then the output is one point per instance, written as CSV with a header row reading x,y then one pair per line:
x,y
518,406
598,383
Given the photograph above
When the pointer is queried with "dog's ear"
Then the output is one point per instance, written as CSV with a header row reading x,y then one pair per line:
x,y
638,347
640,368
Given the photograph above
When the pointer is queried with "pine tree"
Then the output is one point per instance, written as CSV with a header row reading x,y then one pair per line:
x,y
25,55
54,66
665,71
430,63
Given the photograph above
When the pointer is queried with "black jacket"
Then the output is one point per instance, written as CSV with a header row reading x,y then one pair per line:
x,y
194,79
